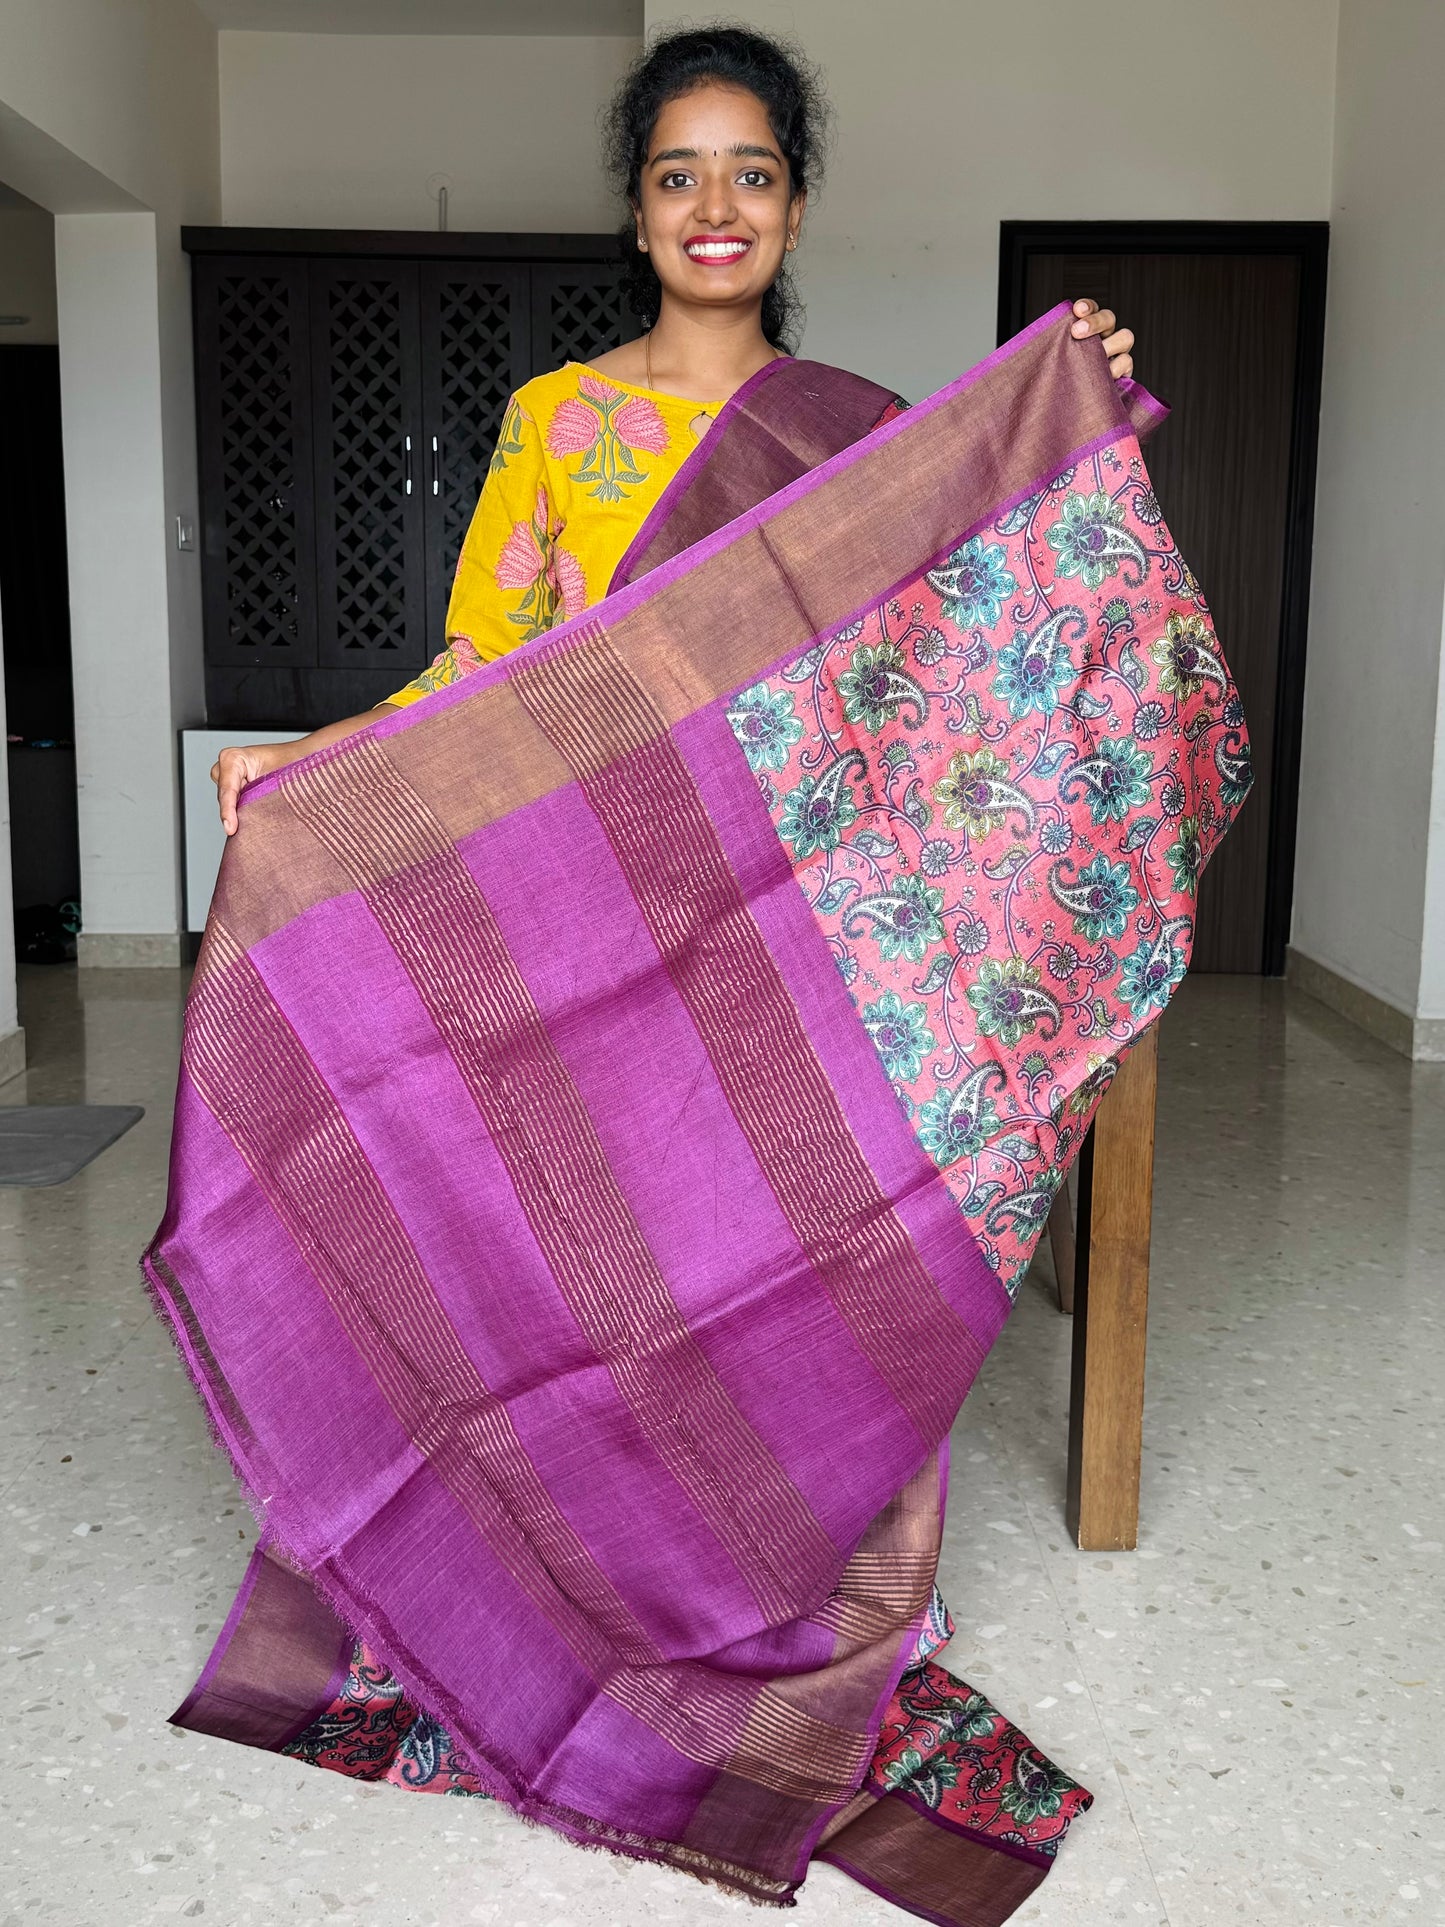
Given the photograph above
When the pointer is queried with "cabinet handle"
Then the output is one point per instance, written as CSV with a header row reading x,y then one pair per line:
x,y
436,467
406,485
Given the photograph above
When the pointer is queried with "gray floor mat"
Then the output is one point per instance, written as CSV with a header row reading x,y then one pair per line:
x,y
48,1143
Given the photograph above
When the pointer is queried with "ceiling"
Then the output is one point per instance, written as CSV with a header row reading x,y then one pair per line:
x,y
621,17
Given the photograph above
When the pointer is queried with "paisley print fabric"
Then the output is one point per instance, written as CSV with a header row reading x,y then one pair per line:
x,y
944,1744
998,789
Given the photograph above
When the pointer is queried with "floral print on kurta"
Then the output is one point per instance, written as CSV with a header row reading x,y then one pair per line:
x,y
997,792
579,465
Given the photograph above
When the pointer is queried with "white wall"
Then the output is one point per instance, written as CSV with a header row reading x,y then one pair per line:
x,y
27,273
952,117
112,105
1372,793
1430,1002
326,130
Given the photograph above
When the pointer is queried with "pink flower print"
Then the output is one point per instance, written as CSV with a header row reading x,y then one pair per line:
x,y
598,389
550,581
521,560
569,582
639,425
464,653
573,429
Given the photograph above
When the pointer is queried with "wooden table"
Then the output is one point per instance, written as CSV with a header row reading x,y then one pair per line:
x,y
1103,1270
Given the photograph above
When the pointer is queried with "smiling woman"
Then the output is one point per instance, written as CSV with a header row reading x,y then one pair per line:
x,y
757,1685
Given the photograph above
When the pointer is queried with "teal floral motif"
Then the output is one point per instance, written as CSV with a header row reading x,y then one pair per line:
x,y
900,1035
974,584
1091,541
959,1122
928,1779
1037,1789
1152,974
821,808
766,726
1034,669
1100,897
1115,779
903,921
877,689
1185,856
1008,1002
1187,658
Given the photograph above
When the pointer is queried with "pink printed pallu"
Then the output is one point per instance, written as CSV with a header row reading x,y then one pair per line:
x,y
620,1096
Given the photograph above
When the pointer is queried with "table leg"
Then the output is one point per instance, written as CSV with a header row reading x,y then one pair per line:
x,y
1111,1302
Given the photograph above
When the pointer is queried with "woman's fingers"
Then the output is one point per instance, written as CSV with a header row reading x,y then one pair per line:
x,y
230,776
1091,319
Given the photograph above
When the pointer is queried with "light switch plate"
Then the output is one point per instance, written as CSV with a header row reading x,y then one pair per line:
x,y
185,533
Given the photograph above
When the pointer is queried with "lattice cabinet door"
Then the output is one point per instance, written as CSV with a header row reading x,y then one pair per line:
x,y
475,351
370,466
253,404
577,312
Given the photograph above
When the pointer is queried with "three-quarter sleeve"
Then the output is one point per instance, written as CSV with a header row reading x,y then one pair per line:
x,y
506,587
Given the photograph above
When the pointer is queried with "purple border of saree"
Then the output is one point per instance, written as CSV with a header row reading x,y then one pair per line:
x,y
704,453
254,1568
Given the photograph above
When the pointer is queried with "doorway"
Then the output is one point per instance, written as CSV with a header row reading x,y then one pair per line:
x,y
34,594
1230,322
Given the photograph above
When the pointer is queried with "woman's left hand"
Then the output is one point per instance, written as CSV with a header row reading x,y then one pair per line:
x,y
1094,320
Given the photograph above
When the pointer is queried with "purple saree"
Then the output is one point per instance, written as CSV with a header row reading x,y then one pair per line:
x,y
586,1293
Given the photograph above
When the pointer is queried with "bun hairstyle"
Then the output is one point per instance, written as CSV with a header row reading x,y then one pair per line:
x,y
675,63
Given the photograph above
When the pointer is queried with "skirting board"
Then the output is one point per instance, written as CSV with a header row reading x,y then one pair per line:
x,y
130,950
1421,1038
12,1053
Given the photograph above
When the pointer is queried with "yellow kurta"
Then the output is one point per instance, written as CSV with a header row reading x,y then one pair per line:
x,y
579,465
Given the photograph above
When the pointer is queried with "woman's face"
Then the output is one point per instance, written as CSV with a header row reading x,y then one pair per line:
x,y
716,208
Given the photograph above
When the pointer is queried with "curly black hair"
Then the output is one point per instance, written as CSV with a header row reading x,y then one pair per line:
x,y
791,92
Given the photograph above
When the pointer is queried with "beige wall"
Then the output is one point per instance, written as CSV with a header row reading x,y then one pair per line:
x,y
953,117
109,118
27,273
1370,882
325,130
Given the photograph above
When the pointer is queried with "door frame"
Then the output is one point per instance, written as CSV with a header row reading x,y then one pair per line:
x,y
1309,242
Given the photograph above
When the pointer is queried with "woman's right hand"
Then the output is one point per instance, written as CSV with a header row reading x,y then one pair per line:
x,y
234,769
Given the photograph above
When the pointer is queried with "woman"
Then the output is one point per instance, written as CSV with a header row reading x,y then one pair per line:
x,y
601,473
714,139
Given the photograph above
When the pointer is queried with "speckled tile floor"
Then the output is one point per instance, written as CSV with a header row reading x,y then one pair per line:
x,y
1255,1694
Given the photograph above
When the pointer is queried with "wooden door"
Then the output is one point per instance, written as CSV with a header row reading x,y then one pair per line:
x,y
476,348
370,467
1225,339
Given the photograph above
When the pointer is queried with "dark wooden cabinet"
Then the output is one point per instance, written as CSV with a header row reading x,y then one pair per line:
x,y
349,392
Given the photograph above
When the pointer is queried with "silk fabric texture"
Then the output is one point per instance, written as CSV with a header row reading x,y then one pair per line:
x,y
585,1296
